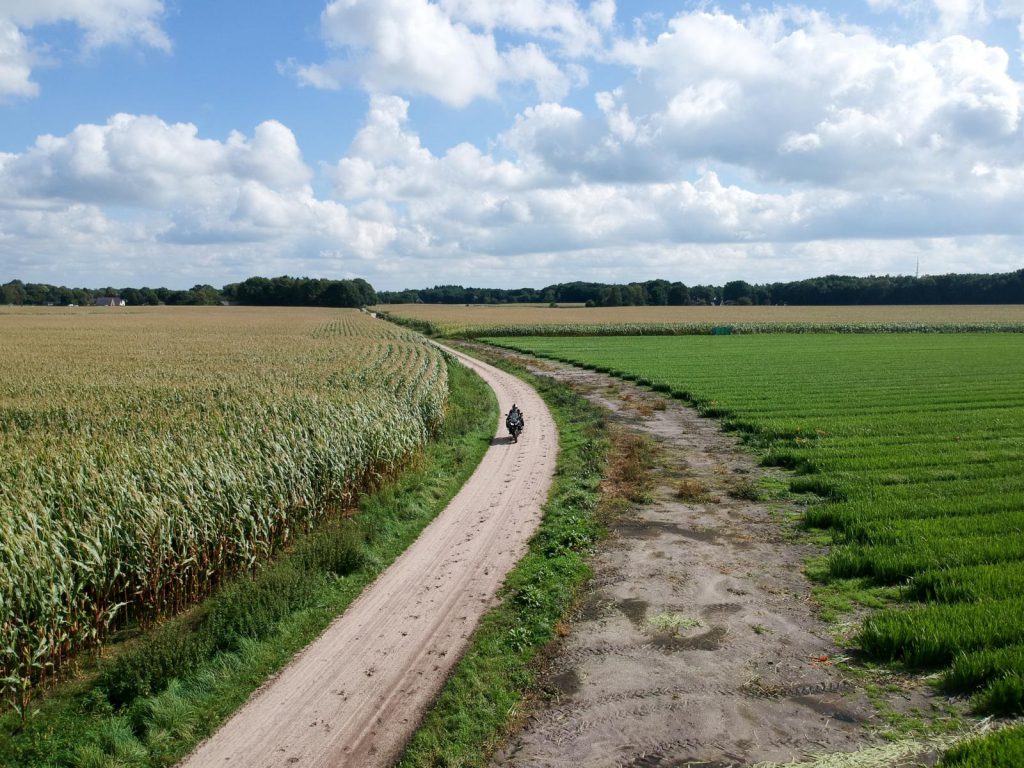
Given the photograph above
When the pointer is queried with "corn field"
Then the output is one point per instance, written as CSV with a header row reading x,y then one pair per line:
x,y
486,320
149,454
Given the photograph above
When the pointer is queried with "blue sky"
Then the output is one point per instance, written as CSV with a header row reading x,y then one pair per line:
x,y
523,142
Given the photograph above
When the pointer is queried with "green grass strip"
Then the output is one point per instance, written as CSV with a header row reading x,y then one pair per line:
x,y
150,702
973,670
1002,749
969,584
485,692
931,636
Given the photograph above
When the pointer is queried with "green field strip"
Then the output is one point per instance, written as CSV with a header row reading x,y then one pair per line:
x,y
913,441
1002,749
1010,522
924,455
970,583
970,671
895,563
849,518
921,493
951,629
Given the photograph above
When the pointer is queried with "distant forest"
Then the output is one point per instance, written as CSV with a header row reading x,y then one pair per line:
x,y
1002,288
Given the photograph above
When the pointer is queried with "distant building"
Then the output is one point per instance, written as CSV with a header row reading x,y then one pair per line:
x,y
108,301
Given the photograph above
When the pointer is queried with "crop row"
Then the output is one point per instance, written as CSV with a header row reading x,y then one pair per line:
x,y
470,331
149,456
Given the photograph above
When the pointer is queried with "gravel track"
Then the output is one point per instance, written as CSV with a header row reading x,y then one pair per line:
x,y
355,695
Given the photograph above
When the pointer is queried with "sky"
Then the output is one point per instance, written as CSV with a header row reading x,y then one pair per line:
x,y
508,143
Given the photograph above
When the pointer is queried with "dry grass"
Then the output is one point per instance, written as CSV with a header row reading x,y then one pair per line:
x,y
693,490
673,623
745,489
644,406
629,478
909,751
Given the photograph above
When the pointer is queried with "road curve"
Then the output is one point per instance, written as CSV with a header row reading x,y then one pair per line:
x,y
355,695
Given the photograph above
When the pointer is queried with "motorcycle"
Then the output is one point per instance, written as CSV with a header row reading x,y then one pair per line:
x,y
514,425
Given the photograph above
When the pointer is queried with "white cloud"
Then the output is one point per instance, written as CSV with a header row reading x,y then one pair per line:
x,y
105,22
173,189
575,31
549,199
795,96
102,22
143,161
15,62
448,51
468,199
387,162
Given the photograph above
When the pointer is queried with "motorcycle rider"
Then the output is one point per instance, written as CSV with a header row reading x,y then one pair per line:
x,y
515,416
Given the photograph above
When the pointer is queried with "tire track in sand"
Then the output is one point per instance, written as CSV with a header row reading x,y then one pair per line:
x,y
354,696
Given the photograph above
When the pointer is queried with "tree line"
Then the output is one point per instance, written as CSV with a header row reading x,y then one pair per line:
x,y
261,291
999,288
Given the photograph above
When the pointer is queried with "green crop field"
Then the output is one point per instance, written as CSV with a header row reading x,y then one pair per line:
x,y
917,444
149,454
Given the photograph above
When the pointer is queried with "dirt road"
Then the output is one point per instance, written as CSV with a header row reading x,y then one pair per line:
x,y
354,696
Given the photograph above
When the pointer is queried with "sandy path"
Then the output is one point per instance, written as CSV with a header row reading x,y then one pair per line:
x,y
354,696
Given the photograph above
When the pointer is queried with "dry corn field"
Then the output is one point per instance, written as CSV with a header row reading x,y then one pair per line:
x,y
517,319
149,453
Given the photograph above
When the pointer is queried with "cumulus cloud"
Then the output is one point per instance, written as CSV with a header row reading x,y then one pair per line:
x,y
552,198
538,204
825,131
386,161
15,62
143,161
102,22
172,189
576,31
795,96
448,50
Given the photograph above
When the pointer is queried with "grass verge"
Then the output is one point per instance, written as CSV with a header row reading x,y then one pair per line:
x,y
152,699
485,694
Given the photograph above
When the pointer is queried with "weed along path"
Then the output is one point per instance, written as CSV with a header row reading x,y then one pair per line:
x,y
355,695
